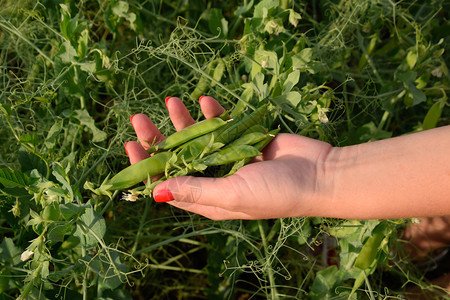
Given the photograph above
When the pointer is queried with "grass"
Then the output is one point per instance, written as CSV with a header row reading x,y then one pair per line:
x,y
71,75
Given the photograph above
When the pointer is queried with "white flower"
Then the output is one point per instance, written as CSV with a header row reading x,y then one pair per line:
x,y
130,197
26,255
264,63
437,72
322,114
323,117
294,17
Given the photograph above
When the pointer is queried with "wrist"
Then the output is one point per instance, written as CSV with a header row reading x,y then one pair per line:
x,y
328,168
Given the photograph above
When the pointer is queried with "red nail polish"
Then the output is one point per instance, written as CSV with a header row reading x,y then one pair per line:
x,y
131,119
200,99
126,151
167,99
163,196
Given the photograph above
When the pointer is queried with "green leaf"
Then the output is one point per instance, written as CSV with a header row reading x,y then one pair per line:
x,y
14,178
370,132
291,81
322,287
300,61
83,41
30,162
240,10
69,26
292,99
261,88
418,95
53,134
67,53
70,210
261,9
345,229
114,272
9,252
57,233
85,119
411,59
408,79
433,115
120,9
90,228
45,269
110,19
218,25
63,178
30,139
111,270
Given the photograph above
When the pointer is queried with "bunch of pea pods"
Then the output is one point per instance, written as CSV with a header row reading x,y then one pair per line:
x,y
217,147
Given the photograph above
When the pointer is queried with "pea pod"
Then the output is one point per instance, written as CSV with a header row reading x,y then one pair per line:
x,y
248,139
189,133
256,128
269,137
229,155
140,171
371,248
235,129
223,135
259,146
196,147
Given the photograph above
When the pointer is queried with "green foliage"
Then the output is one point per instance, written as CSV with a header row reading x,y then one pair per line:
x,y
71,74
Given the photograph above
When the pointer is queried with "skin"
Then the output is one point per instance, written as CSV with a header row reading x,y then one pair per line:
x,y
401,177
299,176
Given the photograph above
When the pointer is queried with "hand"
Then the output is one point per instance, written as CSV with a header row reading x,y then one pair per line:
x,y
286,181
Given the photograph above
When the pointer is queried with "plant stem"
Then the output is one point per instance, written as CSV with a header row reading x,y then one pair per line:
x,y
141,225
84,288
273,290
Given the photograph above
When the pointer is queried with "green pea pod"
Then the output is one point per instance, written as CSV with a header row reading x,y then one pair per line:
x,y
238,127
189,133
241,123
256,128
259,146
223,135
140,171
371,247
228,155
194,148
248,139
269,137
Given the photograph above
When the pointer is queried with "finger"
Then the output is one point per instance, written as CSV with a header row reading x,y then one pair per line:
x,y
202,191
210,107
178,113
135,152
282,145
146,131
211,212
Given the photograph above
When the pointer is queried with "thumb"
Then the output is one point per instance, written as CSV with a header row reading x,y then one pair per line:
x,y
190,189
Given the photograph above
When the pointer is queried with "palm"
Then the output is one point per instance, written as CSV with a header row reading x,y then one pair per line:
x,y
274,186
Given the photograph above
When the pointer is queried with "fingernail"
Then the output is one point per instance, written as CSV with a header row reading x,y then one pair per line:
x,y
167,99
131,119
200,99
163,196
125,145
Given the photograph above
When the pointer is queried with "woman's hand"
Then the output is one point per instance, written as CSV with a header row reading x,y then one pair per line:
x,y
401,177
287,180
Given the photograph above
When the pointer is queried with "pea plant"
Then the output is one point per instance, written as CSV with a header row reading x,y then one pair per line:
x,y
73,72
